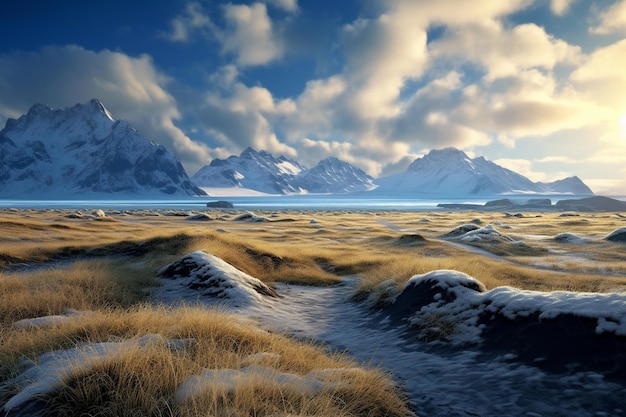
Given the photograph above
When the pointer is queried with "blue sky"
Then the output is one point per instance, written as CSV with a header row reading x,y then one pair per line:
x,y
537,86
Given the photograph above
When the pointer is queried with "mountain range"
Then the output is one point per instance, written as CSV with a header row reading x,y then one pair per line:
x,y
451,172
84,150
262,171
445,172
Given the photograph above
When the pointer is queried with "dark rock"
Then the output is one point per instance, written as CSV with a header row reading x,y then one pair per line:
x,y
505,202
539,202
596,203
460,231
220,204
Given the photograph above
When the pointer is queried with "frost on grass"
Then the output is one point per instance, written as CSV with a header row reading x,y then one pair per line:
x,y
213,277
563,330
53,368
227,380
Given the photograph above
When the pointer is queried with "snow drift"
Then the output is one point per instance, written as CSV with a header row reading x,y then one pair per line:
x,y
561,331
213,277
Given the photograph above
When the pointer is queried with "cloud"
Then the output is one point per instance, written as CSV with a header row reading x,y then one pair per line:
x,y
601,79
526,168
131,88
611,20
559,159
560,7
193,20
504,52
240,116
248,31
249,35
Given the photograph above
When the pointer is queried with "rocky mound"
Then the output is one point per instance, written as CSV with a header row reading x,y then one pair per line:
x,y
617,235
569,238
213,277
558,331
473,233
460,231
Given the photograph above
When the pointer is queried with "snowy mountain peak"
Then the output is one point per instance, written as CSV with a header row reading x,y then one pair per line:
x,y
439,159
95,106
262,171
82,149
451,172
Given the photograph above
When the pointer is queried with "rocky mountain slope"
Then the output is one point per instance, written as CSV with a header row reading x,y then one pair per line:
x,y
82,150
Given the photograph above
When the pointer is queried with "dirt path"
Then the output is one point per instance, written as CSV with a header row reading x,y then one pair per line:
x,y
438,381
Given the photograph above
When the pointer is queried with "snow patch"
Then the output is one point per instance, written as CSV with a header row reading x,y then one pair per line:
x,y
211,276
54,367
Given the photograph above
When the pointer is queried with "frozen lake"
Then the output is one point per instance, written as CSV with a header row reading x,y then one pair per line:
x,y
269,202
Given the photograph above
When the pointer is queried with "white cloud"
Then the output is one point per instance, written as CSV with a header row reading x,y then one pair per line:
x,y
249,35
611,20
131,88
527,169
560,7
242,116
504,52
560,159
193,20
381,56
602,79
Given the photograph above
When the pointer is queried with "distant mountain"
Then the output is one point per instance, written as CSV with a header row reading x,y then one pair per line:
x,y
261,171
451,172
332,175
82,150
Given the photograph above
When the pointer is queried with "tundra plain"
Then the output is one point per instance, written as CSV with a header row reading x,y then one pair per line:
x,y
96,274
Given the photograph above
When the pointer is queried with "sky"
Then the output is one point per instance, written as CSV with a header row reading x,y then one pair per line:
x,y
537,86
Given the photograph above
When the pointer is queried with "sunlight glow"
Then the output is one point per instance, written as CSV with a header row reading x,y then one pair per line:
x,y
622,123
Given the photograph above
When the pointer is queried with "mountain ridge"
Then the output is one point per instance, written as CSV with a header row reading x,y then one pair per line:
x,y
262,171
83,150
450,171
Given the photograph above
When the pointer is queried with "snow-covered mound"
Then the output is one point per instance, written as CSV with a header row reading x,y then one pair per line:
x,y
451,172
562,331
262,171
250,217
567,237
213,277
460,231
473,233
82,149
617,235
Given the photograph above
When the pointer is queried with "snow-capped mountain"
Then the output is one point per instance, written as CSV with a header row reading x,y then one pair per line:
x,y
261,171
83,150
451,172
332,175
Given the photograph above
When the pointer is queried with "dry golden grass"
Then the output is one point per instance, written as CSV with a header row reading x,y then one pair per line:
x,y
143,379
375,245
105,268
